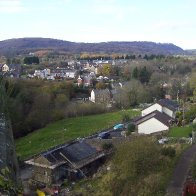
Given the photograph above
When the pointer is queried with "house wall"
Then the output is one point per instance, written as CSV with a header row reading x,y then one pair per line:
x,y
43,175
151,126
151,109
5,68
70,75
169,112
49,176
92,98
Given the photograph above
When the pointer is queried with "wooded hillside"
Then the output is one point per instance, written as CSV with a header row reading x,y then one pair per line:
x,y
26,45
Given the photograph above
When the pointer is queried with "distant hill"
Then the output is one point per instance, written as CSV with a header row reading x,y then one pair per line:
x,y
191,52
26,45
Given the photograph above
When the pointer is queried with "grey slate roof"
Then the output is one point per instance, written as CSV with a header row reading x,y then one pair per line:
x,y
101,91
163,118
169,104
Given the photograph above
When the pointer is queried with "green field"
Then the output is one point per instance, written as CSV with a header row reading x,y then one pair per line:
x,y
66,130
180,131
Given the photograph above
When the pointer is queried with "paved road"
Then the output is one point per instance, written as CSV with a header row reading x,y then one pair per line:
x,y
180,173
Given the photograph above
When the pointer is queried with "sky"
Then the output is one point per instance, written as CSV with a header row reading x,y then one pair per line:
x,y
164,21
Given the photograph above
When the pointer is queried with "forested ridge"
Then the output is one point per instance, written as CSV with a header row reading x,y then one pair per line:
x,y
26,45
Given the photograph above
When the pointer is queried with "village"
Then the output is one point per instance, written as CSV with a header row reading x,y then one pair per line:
x,y
97,98
161,105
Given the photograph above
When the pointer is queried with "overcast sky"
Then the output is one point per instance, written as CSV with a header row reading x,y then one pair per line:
x,y
165,21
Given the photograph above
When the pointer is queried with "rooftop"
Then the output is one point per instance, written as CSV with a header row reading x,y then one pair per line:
x,y
155,114
172,105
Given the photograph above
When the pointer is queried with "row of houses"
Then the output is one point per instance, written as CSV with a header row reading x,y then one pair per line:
x,y
52,74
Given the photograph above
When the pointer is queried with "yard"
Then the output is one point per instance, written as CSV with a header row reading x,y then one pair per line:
x,y
65,130
180,131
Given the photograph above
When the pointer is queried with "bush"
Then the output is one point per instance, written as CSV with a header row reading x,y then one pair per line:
x,y
125,117
107,146
131,127
194,126
82,109
168,151
131,163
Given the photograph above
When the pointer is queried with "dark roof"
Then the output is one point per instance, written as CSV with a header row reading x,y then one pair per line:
x,y
74,152
101,91
155,114
169,104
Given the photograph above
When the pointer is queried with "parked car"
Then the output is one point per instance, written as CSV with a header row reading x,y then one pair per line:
x,y
103,135
118,126
163,140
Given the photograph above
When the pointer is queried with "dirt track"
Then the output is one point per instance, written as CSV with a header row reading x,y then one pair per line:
x,y
179,175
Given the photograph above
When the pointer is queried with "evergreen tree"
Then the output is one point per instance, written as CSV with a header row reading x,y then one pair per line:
x,y
135,73
144,75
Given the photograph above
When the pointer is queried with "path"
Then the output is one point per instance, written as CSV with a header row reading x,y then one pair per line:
x,y
180,173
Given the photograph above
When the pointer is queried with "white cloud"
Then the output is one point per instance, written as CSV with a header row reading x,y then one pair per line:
x,y
11,6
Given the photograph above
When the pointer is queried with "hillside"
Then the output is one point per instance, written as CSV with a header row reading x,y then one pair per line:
x,y
65,130
26,45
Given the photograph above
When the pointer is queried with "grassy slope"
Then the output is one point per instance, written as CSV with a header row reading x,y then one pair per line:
x,y
90,186
65,130
180,131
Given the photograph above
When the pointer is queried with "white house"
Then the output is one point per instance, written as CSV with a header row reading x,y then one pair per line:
x,y
42,73
64,73
165,106
153,122
5,68
152,108
72,73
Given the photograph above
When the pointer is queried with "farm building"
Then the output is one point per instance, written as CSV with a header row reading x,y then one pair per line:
x,y
70,161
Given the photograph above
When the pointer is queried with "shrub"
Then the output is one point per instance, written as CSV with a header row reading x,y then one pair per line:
x,y
194,126
125,117
107,146
66,183
131,127
168,151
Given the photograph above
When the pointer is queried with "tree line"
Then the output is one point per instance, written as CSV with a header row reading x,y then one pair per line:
x,y
33,104
31,60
